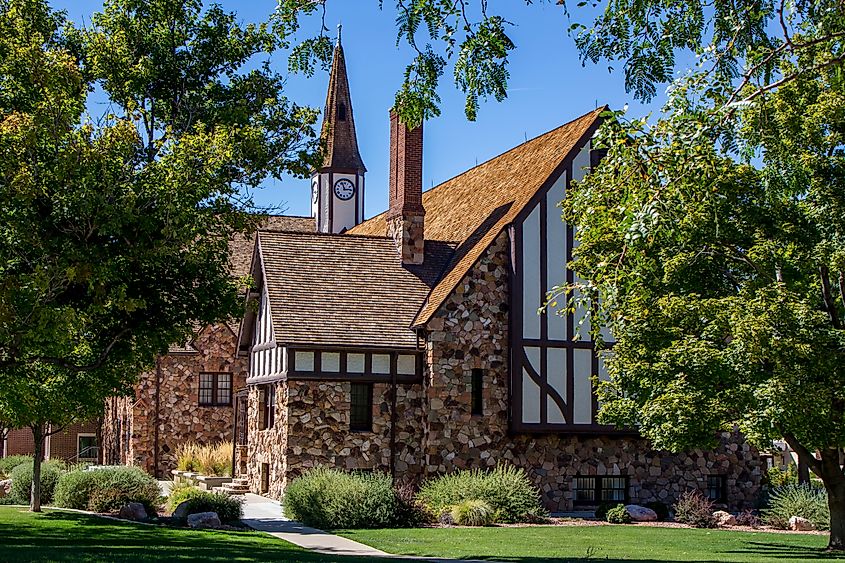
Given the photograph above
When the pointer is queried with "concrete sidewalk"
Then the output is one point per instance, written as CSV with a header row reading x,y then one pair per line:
x,y
266,515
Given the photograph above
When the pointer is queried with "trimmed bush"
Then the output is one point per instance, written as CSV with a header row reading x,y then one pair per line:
x,y
694,509
21,477
659,508
9,463
473,513
113,487
806,501
228,508
618,515
74,489
328,499
506,488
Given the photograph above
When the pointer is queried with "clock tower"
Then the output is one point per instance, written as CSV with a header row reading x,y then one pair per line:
x,y
337,187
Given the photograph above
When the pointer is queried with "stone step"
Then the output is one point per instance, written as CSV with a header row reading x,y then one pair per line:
x,y
230,491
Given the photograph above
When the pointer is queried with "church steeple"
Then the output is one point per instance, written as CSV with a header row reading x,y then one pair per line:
x,y
338,199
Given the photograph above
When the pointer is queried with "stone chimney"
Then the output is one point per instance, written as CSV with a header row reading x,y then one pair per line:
x,y
405,217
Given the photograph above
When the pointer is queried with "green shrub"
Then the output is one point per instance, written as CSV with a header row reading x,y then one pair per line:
x,y
329,498
228,508
694,509
601,510
659,508
9,463
21,477
117,486
806,501
74,489
776,477
618,515
506,488
473,513
179,492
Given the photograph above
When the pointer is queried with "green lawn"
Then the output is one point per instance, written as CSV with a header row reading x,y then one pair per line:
x,y
67,536
603,543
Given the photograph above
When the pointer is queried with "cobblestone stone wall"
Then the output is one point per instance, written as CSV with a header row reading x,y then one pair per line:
x,y
470,331
178,413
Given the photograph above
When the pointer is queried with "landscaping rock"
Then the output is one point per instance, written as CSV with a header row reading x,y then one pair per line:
x,y
723,518
798,524
640,513
181,511
133,511
5,488
204,520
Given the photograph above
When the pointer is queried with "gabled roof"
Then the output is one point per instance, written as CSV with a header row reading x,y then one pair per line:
x,y
241,247
474,207
344,290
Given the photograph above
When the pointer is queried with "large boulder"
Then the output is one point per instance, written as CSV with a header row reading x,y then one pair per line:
x,y
133,511
640,513
204,520
798,524
723,518
5,488
181,511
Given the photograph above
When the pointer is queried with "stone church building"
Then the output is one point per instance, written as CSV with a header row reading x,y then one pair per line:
x,y
410,342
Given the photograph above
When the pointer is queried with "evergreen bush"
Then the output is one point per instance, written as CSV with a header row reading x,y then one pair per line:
x,y
21,477
74,489
9,463
114,487
806,501
507,489
329,499
618,515
228,508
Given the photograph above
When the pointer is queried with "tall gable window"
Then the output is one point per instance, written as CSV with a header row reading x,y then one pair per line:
x,y
361,408
267,407
215,389
477,387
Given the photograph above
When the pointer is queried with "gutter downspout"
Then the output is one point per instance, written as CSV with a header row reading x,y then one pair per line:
x,y
157,417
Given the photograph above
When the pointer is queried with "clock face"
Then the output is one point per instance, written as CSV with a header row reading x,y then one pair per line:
x,y
344,189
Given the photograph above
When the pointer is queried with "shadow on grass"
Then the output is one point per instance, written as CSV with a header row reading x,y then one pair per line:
x,y
65,536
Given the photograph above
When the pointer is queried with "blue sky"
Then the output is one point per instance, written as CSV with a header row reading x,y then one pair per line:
x,y
548,87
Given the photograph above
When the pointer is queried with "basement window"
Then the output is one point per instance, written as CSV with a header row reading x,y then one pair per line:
x,y
592,491
361,408
215,390
717,488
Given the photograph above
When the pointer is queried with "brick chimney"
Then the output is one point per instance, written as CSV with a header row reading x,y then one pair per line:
x,y
405,217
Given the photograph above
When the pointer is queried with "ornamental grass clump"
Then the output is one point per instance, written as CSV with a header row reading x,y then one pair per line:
x,y
329,499
473,513
212,460
805,500
507,489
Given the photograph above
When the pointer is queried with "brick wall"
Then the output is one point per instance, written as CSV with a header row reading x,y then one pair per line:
x,y
61,445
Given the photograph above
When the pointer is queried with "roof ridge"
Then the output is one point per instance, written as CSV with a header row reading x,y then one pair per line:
x,y
318,234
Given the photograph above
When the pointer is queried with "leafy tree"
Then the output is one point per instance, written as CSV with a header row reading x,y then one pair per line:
x,y
723,278
114,231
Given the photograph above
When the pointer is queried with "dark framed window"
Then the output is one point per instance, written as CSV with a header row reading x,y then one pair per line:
x,y
592,491
717,488
361,407
215,389
477,388
86,446
267,407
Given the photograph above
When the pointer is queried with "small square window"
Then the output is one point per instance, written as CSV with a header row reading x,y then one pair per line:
x,y
361,407
86,447
215,389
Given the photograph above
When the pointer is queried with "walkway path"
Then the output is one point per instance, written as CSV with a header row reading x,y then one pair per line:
x,y
266,515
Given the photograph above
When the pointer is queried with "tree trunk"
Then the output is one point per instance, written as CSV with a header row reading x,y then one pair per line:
x,y
803,472
836,502
35,493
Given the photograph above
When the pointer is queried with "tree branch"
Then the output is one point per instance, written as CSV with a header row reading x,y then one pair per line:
x,y
827,296
803,453
61,362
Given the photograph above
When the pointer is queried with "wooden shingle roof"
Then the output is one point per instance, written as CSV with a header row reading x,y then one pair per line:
x,y
345,290
474,207
241,247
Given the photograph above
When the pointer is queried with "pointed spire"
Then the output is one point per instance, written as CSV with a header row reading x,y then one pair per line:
x,y
338,123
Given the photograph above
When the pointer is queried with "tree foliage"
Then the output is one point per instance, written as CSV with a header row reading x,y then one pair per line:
x,y
115,229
